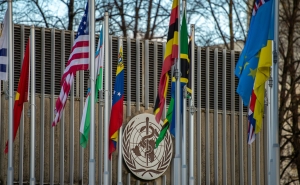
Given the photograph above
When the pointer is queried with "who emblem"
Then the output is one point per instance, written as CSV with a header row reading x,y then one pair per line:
x,y
139,152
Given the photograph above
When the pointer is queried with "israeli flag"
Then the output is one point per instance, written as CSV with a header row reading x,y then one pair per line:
x,y
3,48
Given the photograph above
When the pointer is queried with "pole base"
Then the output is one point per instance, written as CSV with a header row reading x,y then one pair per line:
x,y
177,171
10,175
105,177
92,171
184,174
191,181
32,181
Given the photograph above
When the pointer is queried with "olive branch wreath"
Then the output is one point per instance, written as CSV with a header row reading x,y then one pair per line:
x,y
163,164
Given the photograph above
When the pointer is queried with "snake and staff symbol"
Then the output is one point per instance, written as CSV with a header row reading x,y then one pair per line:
x,y
147,143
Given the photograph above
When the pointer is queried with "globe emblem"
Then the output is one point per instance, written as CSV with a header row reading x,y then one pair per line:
x,y
139,152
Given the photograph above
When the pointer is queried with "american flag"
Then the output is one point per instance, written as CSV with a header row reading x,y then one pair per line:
x,y
78,60
251,120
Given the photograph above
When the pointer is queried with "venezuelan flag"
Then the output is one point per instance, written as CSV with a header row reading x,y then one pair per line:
x,y
116,115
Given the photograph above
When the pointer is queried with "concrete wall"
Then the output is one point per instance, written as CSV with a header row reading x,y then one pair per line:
x,y
245,161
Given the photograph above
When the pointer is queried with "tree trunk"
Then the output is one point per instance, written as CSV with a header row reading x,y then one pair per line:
x,y
231,25
71,14
148,20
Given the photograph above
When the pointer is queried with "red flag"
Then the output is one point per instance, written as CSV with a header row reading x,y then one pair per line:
x,y
22,93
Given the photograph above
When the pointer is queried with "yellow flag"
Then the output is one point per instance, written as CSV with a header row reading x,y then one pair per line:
x,y
262,75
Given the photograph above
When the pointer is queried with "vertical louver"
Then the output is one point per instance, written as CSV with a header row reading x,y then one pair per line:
x,y
47,61
203,79
38,60
228,76
17,56
196,77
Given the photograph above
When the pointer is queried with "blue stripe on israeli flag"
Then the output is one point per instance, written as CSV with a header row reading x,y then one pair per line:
x,y
3,68
3,52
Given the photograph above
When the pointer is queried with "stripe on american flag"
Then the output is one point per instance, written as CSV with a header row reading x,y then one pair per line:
x,y
79,57
78,60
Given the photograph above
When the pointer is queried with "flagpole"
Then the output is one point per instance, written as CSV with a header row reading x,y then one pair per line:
x,y
275,135
92,92
120,157
10,170
100,122
120,44
32,107
183,144
192,109
177,158
268,127
106,103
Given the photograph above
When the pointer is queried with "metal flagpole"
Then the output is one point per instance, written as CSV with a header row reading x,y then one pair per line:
x,y
269,118
192,109
275,135
32,107
92,92
106,103
21,126
42,105
120,157
10,170
120,139
62,120
183,144
100,123
72,121
177,158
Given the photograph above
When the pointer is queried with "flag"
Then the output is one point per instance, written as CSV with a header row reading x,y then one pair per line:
x,y
251,120
184,68
22,93
189,87
85,120
99,62
262,75
171,53
3,48
78,60
116,116
169,116
258,34
246,80
185,65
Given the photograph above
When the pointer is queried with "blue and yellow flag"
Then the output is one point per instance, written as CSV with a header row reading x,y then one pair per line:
x,y
247,78
260,31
